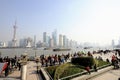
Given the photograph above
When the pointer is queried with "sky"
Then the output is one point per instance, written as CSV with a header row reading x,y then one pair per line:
x,y
94,21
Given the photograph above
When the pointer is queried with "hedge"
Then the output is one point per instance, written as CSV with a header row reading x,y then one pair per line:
x,y
83,61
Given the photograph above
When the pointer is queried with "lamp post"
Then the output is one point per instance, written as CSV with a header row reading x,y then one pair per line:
x,y
38,64
0,54
23,66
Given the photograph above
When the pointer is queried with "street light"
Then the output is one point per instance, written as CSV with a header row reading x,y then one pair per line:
x,y
23,63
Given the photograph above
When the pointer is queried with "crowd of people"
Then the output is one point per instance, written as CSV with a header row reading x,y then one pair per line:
x,y
53,59
12,63
59,59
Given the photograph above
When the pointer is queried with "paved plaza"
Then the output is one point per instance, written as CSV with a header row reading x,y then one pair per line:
x,y
110,75
31,73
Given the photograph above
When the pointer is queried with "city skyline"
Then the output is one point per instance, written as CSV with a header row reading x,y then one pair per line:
x,y
83,21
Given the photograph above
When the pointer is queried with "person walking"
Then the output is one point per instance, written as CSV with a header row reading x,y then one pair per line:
x,y
6,71
95,68
88,69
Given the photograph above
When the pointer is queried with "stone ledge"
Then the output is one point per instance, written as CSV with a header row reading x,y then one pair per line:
x,y
44,74
93,74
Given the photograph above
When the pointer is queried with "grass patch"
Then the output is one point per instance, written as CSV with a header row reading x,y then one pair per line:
x,y
102,63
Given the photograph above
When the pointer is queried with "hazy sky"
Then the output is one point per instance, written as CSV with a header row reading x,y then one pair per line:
x,y
96,21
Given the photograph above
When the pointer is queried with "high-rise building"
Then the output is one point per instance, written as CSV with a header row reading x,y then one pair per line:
x,y
60,40
29,42
67,42
113,43
71,43
119,42
51,42
38,44
2,44
54,37
48,41
22,43
35,41
9,43
26,42
44,37
64,40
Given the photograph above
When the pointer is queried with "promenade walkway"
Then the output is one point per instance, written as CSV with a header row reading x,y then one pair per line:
x,y
93,74
31,73
110,75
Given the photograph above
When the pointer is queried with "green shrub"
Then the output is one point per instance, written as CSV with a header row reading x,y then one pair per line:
x,y
84,61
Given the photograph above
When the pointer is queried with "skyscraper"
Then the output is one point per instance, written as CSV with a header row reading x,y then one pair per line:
x,y
44,38
22,42
51,42
64,41
48,41
2,44
67,42
34,41
119,41
54,36
113,43
60,40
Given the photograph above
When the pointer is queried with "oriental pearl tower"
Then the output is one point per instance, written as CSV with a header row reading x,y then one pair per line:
x,y
14,40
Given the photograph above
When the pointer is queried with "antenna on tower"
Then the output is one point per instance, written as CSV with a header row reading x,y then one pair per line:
x,y
14,41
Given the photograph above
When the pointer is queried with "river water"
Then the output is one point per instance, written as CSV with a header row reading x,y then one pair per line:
x,y
32,52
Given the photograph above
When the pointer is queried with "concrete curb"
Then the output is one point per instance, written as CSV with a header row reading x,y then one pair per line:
x,y
93,74
44,74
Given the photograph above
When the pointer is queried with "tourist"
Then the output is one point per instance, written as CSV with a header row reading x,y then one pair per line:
x,y
7,71
59,59
88,69
18,64
95,68
1,59
107,60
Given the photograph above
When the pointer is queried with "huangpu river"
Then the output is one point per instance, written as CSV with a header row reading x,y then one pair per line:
x,y
11,52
